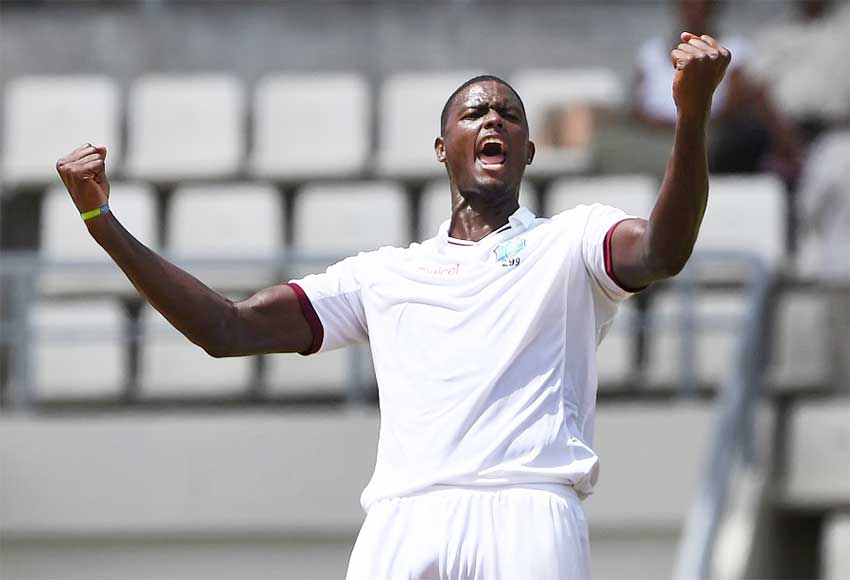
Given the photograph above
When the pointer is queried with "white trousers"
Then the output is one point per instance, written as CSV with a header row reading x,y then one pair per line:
x,y
515,532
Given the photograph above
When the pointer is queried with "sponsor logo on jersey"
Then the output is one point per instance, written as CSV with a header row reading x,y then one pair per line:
x,y
507,252
440,269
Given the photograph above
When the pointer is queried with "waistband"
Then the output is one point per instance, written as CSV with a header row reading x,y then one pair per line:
x,y
561,490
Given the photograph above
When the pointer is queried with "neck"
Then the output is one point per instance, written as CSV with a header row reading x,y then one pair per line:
x,y
474,216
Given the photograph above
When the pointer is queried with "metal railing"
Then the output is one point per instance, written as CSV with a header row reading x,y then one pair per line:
x,y
733,432
19,273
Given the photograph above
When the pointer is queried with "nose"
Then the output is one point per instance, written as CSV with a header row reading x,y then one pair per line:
x,y
493,120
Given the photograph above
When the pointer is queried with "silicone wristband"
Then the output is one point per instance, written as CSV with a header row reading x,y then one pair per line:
x,y
87,215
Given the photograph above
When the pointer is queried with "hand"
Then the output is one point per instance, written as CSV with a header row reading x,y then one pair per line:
x,y
700,63
83,171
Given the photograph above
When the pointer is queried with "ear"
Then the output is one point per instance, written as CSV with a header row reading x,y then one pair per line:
x,y
440,149
530,153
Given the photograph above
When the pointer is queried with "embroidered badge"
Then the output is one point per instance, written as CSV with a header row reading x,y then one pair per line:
x,y
506,253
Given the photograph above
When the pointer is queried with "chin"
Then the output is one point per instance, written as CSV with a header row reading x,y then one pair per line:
x,y
490,191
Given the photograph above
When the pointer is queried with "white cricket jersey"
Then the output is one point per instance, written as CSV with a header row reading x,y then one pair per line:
x,y
484,351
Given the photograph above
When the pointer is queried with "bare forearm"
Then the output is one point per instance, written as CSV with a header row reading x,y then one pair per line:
x,y
202,315
675,220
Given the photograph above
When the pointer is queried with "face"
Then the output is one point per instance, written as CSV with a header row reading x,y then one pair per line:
x,y
485,144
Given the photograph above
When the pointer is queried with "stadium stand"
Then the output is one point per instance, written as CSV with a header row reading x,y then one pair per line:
x,y
172,367
185,127
344,373
717,319
78,349
409,111
836,556
800,357
310,127
819,455
318,374
46,117
562,105
745,213
167,489
64,238
329,219
240,222
634,194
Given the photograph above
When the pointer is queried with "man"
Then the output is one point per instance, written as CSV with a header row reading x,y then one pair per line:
x,y
483,337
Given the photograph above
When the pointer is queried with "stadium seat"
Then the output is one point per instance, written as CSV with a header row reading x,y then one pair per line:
x,y
745,214
64,238
409,113
237,222
48,117
548,91
800,358
634,194
173,367
185,127
310,126
322,373
835,560
718,319
337,221
435,205
818,455
79,349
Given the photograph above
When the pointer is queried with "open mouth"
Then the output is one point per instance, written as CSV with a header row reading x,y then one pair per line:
x,y
491,152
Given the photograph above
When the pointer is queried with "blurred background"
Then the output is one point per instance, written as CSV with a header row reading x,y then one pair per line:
x,y
240,133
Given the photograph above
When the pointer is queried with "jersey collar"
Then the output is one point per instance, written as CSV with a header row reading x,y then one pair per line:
x,y
519,221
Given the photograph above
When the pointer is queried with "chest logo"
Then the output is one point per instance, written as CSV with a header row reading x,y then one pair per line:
x,y
507,252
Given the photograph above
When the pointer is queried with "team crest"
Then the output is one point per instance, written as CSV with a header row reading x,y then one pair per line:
x,y
507,253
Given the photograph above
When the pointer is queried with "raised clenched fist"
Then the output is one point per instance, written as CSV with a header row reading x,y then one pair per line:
x,y
83,171
700,64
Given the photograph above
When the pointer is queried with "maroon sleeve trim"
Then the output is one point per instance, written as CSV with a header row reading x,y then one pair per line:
x,y
609,262
311,317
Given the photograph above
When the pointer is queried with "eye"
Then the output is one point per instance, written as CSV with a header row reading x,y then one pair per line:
x,y
473,113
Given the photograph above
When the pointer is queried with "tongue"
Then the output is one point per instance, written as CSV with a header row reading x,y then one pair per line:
x,y
492,159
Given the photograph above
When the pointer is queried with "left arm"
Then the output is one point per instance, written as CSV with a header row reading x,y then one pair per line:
x,y
644,251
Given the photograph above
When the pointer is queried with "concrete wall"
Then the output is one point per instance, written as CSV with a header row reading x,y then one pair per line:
x,y
274,495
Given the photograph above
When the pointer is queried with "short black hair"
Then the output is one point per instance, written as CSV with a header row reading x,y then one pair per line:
x,y
474,80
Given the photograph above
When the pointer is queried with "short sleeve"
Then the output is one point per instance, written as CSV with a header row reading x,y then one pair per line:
x,y
332,303
599,226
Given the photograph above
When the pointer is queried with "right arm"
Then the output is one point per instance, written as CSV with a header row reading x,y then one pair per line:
x,y
269,321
